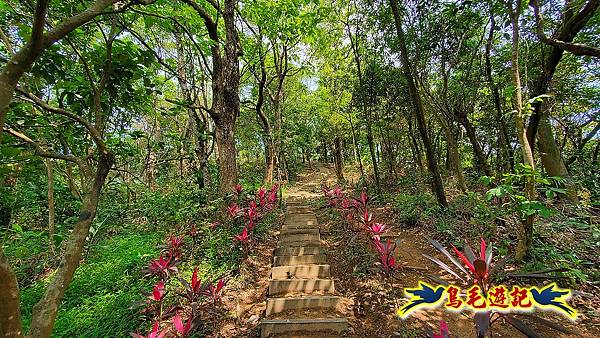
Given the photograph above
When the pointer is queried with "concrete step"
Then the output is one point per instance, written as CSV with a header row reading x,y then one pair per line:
x,y
299,226
298,223
277,305
299,260
294,231
301,271
305,286
294,211
288,327
300,218
284,244
299,237
303,215
298,251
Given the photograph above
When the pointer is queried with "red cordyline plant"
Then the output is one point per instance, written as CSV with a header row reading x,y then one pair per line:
x,y
213,292
234,210
193,289
357,208
182,328
256,207
174,245
386,255
243,237
473,269
443,332
154,333
158,292
238,189
162,267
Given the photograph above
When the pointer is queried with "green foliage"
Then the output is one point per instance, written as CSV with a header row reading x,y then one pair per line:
x,y
98,300
414,208
512,186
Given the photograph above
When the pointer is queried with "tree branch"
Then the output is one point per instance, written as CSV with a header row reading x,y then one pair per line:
x,y
94,133
572,47
209,22
39,150
7,43
39,19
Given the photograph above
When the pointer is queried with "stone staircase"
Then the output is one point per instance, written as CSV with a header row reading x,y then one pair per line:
x,y
301,300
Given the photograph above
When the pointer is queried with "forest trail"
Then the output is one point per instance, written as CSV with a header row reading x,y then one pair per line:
x,y
367,302
301,300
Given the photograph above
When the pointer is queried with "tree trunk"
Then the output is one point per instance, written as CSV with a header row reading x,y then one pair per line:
x,y
45,311
338,161
525,231
373,155
226,100
225,139
269,160
480,159
10,310
416,151
574,20
9,78
356,148
454,162
432,164
71,181
51,212
506,153
551,158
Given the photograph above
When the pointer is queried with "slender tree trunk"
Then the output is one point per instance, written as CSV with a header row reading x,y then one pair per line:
x,y
45,311
454,162
269,159
356,147
373,155
480,158
71,181
432,164
370,141
416,151
506,153
277,126
51,212
525,232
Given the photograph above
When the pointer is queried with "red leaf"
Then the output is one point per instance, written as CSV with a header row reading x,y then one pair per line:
x,y
464,259
482,248
178,324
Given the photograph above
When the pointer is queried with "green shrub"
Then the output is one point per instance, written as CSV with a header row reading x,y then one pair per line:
x,y
413,208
